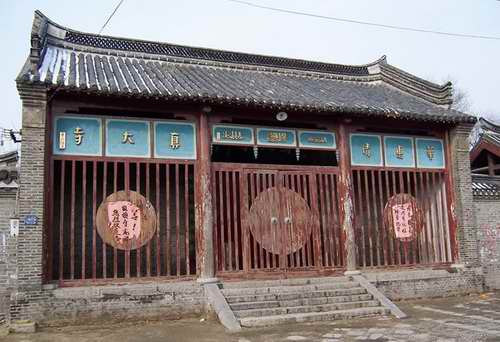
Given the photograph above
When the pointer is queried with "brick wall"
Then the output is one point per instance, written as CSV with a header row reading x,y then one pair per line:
x,y
488,224
7,249
86,305
427,283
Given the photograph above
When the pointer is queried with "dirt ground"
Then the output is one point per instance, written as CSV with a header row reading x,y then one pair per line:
x,y
471,318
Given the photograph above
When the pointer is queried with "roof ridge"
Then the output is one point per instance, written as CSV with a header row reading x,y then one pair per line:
x,y
177,50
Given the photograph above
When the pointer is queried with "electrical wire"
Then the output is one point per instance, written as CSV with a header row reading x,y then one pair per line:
x,y
394,27
111,16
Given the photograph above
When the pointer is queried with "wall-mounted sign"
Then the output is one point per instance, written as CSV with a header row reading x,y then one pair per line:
x,y
276,137
77,136
30,220
366,150
126,220
317,139
229,134
430,153
14,227
175,140
403,217
128,138
399,151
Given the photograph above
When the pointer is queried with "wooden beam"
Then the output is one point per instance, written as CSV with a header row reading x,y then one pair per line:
x,y
491,165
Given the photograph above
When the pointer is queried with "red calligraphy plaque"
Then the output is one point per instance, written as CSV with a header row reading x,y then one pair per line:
x,y
403,217
126,220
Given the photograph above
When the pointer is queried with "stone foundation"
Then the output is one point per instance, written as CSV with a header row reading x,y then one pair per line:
x,y
427,283
85,305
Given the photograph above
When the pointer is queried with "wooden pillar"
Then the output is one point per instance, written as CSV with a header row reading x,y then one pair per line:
x,y
491,164
204,227
346,203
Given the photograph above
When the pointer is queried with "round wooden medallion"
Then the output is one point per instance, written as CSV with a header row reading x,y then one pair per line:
x,y
403,217
280,220
126,220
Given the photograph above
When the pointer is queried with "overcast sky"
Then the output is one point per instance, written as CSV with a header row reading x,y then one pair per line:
x,y
220,24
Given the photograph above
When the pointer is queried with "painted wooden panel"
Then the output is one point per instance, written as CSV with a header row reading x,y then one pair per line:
x,y
399,151
229,134
128,138
276,137
366,150
430,153
75,135
317,139
175,140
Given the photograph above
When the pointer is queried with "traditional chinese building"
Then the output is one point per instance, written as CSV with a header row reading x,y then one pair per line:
x,y
485,164
151,171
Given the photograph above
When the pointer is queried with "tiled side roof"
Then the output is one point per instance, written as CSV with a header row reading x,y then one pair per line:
x,y
486,187
80,62
157,48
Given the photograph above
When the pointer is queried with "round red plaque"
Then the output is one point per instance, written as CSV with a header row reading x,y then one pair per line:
x,y
126,220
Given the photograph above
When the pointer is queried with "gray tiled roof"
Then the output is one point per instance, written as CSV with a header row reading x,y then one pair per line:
x,y
80,62
486,186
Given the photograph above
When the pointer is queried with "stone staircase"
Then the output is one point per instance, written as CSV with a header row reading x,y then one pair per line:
x,y
262,303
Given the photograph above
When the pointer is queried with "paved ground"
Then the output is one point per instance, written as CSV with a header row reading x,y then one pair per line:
x,y
471,319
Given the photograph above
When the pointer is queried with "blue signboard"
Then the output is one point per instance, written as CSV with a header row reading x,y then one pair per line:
x,y
30,220
74,135
366,150
430,153
228,134
175,140
128,138
399,151
276,137
317,139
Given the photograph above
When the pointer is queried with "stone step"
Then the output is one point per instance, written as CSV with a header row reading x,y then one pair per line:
x,y
294,295
284,282
299,302
288,288
312,316
305,309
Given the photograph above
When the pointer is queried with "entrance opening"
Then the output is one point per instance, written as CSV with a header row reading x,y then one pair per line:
x,y
276,156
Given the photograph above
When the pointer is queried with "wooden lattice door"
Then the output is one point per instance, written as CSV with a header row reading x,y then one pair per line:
x,y
282,226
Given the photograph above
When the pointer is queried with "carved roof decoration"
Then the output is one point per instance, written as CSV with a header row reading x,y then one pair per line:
x,y
74,61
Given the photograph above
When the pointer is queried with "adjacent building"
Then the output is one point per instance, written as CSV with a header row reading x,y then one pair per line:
x,y
485,164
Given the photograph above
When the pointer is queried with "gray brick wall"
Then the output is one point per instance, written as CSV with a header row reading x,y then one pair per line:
x,y
488,229
31,191
8,272
86,305
464,205
411,284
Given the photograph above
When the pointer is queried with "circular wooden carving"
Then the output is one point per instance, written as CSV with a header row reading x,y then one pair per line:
x,y
280,220
403,217
126,220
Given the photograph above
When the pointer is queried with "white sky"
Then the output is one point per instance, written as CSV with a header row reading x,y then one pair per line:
x,y
472,63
